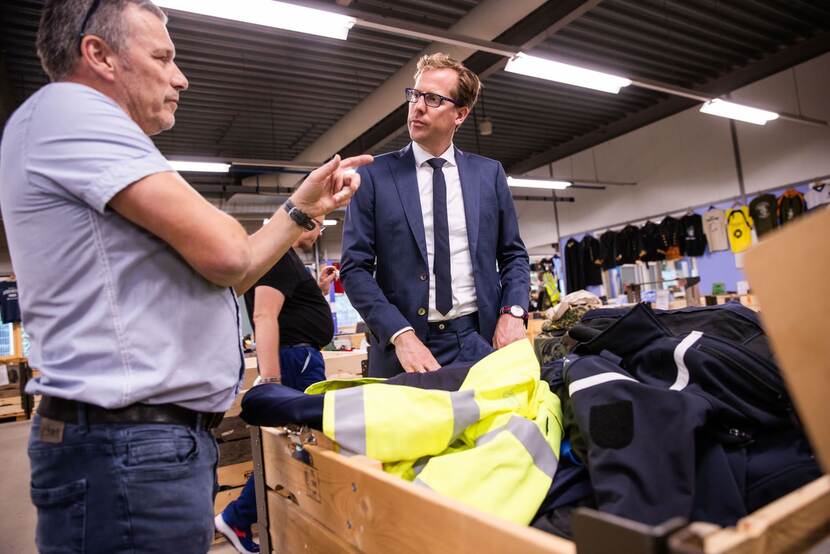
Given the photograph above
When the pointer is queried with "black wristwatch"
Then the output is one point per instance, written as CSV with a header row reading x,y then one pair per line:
x,y
514,310
299,217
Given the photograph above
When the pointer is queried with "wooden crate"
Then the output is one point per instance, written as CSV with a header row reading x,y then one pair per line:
x,y
334,504
320,501
793,523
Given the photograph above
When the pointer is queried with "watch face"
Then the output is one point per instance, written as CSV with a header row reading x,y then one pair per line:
x,y
517,311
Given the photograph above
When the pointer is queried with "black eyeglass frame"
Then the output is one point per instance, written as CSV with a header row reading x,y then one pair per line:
x,y
90,12
417,94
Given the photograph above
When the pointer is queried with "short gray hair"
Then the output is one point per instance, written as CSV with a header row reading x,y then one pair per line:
x,y
58,41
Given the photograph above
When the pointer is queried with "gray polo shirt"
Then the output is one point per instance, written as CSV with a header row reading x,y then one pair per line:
x,y
114,314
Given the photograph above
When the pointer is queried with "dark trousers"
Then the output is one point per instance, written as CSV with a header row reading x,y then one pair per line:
x,y
123,487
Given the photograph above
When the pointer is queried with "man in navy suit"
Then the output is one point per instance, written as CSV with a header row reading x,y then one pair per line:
x,y
432,257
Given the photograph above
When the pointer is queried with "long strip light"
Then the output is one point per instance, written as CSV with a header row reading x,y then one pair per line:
x,y
199,167
740,112
269,13
547,184
533,66
329,222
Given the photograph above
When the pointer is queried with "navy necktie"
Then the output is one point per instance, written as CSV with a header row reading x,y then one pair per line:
x,y
441,236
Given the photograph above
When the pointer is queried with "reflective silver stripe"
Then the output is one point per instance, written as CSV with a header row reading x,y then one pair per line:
x,y
420,464
350,420
679,354
594,380
420,483
531,437
465,411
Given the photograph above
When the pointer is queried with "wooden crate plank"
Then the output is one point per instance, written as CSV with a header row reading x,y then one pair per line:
x,y
293,532
379,513
790,524
235,475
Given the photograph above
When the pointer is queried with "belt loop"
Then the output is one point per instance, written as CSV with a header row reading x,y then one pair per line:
x,y
83,417
199,421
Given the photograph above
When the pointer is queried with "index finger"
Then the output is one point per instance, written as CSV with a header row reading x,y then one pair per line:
x,y
356,161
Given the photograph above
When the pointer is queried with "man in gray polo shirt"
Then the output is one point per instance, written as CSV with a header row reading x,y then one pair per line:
x,y
126,279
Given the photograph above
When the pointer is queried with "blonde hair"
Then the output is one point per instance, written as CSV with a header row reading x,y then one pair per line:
x,y
468,83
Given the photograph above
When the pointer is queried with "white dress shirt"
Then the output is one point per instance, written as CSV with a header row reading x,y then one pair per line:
x,y
461,264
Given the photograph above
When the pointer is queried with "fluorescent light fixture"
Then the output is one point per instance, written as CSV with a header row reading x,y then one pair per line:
x,y
329,222
202,167
740,112
533,66
265,221
270,14
547,184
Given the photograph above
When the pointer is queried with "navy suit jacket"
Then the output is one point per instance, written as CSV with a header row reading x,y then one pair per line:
x,y
384,262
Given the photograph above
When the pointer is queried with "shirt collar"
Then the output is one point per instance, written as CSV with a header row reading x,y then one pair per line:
x,y
421,155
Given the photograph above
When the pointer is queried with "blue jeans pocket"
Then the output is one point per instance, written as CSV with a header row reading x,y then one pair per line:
x,y
61,517
160,453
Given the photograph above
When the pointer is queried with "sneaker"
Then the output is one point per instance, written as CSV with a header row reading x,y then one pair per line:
x,y
243,541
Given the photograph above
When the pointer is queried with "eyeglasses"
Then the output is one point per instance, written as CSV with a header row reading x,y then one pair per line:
x,y
431,99
92,9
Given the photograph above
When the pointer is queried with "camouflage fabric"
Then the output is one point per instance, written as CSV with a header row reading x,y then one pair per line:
x,y
571,317
552,345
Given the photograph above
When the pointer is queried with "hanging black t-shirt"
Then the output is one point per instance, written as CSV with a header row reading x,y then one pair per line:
x,y
791,205
305,317
9,306
629,244
574,271
652,243
592,260
608,250
762,210
670,237
692,239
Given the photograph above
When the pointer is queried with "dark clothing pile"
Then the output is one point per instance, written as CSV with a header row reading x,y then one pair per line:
x,y
674,413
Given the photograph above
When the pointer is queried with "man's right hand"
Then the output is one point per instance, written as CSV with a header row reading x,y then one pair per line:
x,y
413,355
330,186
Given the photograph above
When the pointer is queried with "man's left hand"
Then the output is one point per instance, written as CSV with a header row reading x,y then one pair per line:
x,y
508,329
328,275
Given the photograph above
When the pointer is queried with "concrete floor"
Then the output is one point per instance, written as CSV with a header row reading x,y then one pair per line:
x,y
17,526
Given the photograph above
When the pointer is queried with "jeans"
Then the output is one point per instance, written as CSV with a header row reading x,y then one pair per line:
x,y
123,488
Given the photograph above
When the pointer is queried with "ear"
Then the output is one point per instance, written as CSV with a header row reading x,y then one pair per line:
x,y
462,114
98,57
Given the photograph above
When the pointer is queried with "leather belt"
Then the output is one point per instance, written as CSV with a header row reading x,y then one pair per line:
x,y
67,411
463,323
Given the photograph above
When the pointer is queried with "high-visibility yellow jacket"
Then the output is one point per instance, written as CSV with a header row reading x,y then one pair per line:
x,y
493,444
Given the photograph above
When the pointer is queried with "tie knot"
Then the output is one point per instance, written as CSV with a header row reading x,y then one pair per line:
x,y
436,163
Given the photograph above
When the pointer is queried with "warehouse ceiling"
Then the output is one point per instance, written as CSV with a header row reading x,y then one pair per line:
x,y
263,93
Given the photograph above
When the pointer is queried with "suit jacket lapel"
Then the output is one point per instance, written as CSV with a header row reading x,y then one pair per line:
x,y
470,188
406,181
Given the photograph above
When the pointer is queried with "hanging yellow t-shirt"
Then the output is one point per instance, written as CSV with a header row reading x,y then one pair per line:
x,y
739,228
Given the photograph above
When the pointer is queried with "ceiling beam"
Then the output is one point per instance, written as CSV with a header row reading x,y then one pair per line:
x,y
540,24
771,64
487,20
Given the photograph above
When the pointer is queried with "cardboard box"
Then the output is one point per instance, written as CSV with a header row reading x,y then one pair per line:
x,y
343,364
